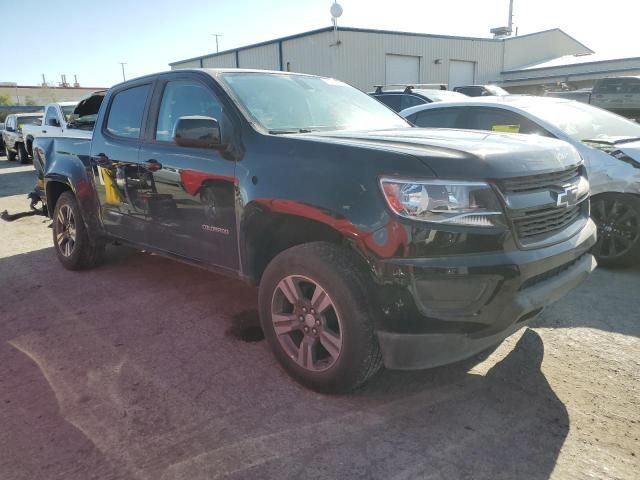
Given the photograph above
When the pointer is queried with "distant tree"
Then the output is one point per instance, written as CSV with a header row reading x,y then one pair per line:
x,y
4,99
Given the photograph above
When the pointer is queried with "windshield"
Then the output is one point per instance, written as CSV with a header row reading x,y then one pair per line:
x,y
495,90
28,121
283,103
584,122
67,110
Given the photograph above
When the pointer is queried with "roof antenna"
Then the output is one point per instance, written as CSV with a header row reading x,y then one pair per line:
x,y
336,12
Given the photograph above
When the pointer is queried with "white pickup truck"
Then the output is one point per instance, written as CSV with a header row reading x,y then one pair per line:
x,y
65,119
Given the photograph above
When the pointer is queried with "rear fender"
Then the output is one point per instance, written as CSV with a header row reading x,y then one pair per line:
x,y
64,170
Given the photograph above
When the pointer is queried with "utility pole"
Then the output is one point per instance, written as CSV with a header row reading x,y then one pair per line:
x,y
216,35
510,25
122,64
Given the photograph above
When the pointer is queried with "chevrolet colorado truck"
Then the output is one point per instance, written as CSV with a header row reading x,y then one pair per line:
x,y
372,242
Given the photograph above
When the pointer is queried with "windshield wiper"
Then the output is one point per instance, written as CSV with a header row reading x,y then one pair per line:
x,y
283,131
598,140
626,140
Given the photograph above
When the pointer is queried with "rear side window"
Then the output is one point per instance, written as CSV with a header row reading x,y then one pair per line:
x,y
392,101
126,112
438,118
184,98
411,101
498,120
470,91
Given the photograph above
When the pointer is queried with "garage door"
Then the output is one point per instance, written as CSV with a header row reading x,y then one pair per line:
x,y
461,73
402,69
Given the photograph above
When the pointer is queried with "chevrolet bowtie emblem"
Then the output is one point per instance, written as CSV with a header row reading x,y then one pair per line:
x,y
567,197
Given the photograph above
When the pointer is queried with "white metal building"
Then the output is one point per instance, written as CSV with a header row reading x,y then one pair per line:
x,y
365,58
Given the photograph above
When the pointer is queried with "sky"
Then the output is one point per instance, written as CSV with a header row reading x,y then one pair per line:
x,y
89,38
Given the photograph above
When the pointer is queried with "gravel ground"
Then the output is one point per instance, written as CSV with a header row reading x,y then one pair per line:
x,y
149,369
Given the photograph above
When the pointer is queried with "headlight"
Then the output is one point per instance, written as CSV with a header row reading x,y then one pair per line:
x,y
442,201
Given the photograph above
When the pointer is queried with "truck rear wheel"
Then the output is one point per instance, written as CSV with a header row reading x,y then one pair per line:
x,y
23,156
315,310
70,237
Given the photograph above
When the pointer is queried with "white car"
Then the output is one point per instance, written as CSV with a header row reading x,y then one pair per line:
x,y
609,144
65,119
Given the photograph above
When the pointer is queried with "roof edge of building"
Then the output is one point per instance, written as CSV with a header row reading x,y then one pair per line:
x,y
537,69
329,29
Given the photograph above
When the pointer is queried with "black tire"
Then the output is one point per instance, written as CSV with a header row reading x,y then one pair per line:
x,y
617,216
23,156
11,156
337,271
83,253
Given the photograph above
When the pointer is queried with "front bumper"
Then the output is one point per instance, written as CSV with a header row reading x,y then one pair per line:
x,y
469,303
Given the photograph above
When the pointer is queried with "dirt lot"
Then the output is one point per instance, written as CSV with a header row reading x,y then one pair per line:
x,y
149,369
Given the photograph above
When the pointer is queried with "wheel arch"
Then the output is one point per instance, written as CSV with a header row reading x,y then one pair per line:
x,y
265,234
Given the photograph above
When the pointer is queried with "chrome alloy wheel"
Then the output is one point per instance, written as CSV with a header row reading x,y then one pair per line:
x,y
306,322
66,230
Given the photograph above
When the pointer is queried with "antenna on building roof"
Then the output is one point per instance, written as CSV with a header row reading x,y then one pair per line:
x,y
502,32
336,12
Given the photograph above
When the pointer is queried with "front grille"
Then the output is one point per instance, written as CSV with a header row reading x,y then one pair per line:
x,y
546,221
540,182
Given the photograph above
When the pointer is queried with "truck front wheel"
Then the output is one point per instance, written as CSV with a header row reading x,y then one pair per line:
x,y
23,156
70,237
11,156
316,313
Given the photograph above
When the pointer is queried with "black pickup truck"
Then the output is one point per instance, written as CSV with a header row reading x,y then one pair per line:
x,y
371,241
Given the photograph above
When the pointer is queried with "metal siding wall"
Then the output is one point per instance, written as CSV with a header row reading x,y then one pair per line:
x,y
228,60
360,58
189,64
264,57
520,51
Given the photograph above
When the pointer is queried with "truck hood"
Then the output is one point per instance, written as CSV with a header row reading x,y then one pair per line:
x,y
464,154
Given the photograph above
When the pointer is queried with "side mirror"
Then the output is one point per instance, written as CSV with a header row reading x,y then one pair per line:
x,y
53,122
197,131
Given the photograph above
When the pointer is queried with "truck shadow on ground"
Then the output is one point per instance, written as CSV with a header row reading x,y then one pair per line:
x,y
16,178
127,370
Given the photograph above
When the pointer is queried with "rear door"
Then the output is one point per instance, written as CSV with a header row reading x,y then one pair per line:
x,y
121,183
193,212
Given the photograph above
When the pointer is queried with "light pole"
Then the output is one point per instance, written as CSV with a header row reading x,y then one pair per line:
x,y
216,35
122,64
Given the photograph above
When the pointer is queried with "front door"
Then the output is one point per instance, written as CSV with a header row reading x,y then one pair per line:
x,y
194,201
121,182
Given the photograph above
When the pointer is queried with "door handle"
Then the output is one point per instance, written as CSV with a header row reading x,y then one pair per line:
x,y
44,131
152,165
101,160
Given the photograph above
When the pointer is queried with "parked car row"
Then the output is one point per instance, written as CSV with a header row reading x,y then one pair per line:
x,y
371,241
609,144
620,95
61,119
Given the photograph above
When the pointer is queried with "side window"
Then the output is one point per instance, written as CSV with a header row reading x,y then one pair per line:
x,y
438,118
411,101
183,98
497,120
127,109
51,115
392,101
